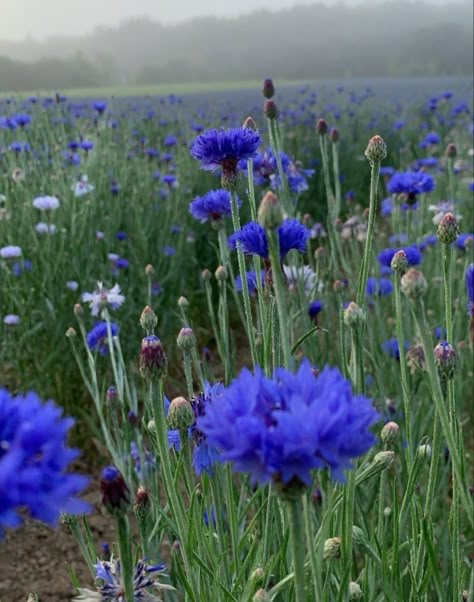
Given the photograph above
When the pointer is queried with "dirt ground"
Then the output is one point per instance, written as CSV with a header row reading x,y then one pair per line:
x,y
33,558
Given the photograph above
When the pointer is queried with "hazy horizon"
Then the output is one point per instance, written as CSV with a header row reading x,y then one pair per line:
x,y
42,19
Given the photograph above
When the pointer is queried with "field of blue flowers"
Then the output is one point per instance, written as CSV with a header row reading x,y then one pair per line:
x,y
262,308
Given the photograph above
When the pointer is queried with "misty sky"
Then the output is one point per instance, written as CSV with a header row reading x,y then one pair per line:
x,y
42,18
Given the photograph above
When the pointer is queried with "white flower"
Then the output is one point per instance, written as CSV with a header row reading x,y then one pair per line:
x,y
46,203
82,187
11,320
441,209
102,297
72,285
44,228
10,252
302,276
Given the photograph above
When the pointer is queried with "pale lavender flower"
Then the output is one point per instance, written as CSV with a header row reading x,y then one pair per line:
x,y
44,228
11,320
46,203
10,252
102,297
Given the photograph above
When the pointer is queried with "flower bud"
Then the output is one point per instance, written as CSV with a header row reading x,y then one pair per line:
x,y
425,451
355,591
149,271
446,360
358,536
221,273
115,492
153,360
451,151
270,214
332,548
384,459
270,109
319,253
268,89
415,358
321,127
206,274
390,433
399,262
186,339
71,333
142,505
250,124
413,284
111,393
261,596
353,314
78,310
333,135
148,319
257,574
376,150
183,303
132,418
180,414
448,229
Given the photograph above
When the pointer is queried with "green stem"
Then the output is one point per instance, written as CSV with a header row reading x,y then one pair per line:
x,y
295,520
337,181
308,524
280,297
126,559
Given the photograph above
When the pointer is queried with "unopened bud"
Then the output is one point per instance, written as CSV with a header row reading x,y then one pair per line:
x,y
261,596
332,548
415,358
148,319
115,492
206,274
384,459
451,151
142,504
333,135
413,284
149,271
268,89
78,310
321,127
183,302
446,360
399,262
249,124
270,109
355,591
153,360
358,536
71,333
221,273
319,253
448,229
376,150
390,433
425,451
353,314
180,414
186,339
270,214
258,574
111,393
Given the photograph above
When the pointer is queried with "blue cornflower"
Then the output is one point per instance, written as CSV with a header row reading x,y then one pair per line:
x,y
470,289
251,281
34,458
386,207
112,588
391,348
280,429
149,464
314,308
99,106
386,170
413,253
170,140
439,333
462,239
253,239
97,337
213,206
411,183
225,148
381,287
430,139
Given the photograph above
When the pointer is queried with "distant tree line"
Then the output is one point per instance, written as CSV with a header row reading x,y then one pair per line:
x,y
395,38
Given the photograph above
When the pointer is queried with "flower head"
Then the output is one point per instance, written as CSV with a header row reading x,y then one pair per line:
x,y
411,183
112,590
102,297
46,203
97,337
213,206
34,458
253,239
282,428
224,148
10,252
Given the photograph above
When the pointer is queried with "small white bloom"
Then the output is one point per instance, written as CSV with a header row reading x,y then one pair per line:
x,y
302,276
82,187
102,297
10,252
46,203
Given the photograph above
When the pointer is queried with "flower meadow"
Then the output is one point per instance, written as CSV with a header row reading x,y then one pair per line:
x,y
262,307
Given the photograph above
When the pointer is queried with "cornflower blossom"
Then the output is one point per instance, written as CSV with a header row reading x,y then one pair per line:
x,y
34,458
414,255
470,289
391,348
301,276
212,206
411,183
97,337
463,240
382,287
11,320
44,228
252,238
102,297
225,148
112,590
315,308
46,203
251,281
279,429
441,209
82,187
10,252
